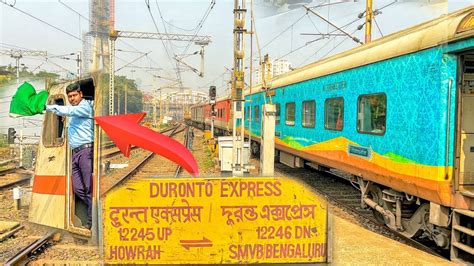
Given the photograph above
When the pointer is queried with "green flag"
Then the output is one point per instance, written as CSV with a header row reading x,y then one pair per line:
x,y
26,102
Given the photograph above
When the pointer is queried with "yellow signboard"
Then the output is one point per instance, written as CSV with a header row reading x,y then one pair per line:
x,y
197,220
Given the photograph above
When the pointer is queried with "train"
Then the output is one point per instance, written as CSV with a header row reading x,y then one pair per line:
x,y
396,115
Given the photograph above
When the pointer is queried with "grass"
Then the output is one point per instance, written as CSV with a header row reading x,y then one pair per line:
x,y
209,162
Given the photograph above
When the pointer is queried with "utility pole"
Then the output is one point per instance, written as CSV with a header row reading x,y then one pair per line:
x,y
79,65
21,148
126,92
112,39
368,21
154,109
238,83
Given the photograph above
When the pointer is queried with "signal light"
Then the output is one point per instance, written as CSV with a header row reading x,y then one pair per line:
x,y
11,135
212,93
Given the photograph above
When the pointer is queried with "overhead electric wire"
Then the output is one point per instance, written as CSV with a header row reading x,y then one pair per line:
x,y
283,31
200,24
43,21
337,45
376,24
178,73
147,3
331,39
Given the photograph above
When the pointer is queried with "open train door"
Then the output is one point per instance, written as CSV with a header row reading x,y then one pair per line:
x,y
53,201
466,128
49,193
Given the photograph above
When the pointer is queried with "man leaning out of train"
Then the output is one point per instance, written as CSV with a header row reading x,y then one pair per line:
x,y
80,138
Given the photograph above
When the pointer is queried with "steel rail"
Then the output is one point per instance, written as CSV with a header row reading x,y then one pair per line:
x,y
138,166
28,251
7,171
185,142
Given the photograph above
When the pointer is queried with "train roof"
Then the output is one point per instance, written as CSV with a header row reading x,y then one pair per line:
x,y
447,28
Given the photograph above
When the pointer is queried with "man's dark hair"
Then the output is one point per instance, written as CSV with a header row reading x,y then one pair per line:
x,y
73,87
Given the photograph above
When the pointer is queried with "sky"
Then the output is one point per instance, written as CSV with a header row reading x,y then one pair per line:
x,y
282,32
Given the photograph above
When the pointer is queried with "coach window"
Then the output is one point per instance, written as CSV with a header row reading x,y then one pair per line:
x,y
53,130
334,114
309,111
277,114
256,114
290,114
371,113
247,115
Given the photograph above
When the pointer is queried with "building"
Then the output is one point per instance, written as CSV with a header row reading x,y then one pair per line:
x,y
274,69
281,66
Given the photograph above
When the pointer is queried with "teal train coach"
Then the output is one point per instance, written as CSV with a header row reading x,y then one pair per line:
x,y
397,114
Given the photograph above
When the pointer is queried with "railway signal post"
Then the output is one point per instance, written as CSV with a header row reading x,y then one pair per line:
x,y
212,101
238,79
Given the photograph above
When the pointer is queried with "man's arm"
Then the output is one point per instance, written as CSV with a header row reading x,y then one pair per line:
x,y
82,110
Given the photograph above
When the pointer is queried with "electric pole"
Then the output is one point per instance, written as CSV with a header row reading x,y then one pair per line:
x,y
368,21
238,82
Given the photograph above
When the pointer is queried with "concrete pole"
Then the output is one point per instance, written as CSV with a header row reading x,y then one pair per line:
x,y
154,108
78,65
161,108
21,148
17,59
267,146
126,92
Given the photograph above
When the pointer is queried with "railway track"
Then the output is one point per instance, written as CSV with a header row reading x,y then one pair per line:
x,y
185,143
20,177
8,170
31,250
149,165
344,194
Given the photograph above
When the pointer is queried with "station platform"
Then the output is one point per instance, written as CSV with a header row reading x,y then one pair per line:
x,y
354,245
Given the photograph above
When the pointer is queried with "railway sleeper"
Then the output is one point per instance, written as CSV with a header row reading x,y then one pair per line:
x,y
406,214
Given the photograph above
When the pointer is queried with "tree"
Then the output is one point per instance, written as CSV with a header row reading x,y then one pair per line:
x,y
45,74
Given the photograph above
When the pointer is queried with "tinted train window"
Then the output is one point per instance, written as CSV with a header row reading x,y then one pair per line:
x,y
256,114
247,115
334,114
53,128
309,112
277,114
290,114
371,113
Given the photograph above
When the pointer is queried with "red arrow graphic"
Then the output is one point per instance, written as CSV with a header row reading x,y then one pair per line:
x,y
196,243
125,131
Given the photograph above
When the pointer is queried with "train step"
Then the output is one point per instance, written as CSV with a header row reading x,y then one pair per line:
x,y
462,241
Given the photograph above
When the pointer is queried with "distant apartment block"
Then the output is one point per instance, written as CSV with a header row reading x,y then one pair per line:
x,y
274,69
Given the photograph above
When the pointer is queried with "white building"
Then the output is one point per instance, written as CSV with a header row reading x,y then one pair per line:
x,y
281,66
276,68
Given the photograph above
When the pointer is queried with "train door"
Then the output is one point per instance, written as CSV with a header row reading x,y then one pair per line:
x,y
53,200
466,127
76,209
49,193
